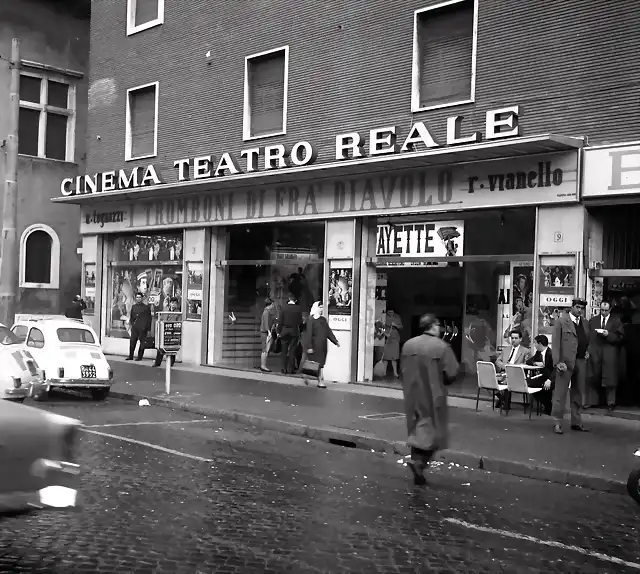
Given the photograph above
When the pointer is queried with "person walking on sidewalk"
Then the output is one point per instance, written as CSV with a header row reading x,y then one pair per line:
x,y
267,325
173,308
140,322
428,365
315,337
75,309
569,348
289,330
607,335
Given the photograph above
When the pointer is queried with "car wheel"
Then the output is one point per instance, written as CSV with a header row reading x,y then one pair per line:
x,y
633,485
99,394
41,396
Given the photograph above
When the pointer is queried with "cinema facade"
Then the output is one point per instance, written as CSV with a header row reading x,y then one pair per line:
x,y
485,230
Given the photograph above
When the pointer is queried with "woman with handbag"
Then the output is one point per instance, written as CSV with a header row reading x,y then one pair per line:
x,y
314,340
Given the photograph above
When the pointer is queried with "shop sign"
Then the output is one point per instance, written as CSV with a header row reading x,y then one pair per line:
x,y
612,171
431,239
519,181
499,124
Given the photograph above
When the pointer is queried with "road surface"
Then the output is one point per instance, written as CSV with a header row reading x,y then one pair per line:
x,y
170,492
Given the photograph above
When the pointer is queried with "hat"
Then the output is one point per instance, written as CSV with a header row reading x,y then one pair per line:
x,y
579,301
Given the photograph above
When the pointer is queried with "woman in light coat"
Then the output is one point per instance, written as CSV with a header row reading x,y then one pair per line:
x,y
315,337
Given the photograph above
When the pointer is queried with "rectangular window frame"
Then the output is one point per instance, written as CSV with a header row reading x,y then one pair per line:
x,y
416,64
128,145
131,18
43,108
246,116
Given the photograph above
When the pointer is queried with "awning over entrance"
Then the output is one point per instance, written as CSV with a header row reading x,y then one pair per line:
x,y
479,152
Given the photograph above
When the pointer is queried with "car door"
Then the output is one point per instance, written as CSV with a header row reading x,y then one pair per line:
x,y
35,343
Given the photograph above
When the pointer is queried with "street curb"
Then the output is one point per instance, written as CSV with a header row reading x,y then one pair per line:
x,y
366,441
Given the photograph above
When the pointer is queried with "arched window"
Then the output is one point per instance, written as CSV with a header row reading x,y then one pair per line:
x,y
39,257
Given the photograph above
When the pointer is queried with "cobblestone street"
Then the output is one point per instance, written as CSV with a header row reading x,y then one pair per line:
x,y
172,492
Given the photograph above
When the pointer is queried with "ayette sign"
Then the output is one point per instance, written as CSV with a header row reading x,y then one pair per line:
x,y
499,124
611,171
417,240
520,181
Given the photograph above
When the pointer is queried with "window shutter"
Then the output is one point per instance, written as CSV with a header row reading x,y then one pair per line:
x,y
143,121
37,263
146,11
446,40
266,79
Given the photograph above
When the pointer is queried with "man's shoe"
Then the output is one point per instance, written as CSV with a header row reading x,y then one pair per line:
x,y
138,358
611,408
418,477
579,428
558,429
129,359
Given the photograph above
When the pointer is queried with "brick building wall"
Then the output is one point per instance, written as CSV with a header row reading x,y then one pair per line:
x,y
572,66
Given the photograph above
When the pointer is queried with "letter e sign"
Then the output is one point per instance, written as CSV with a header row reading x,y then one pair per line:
x,y
558,237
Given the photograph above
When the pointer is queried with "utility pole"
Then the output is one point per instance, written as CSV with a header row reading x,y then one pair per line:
x,y
9,244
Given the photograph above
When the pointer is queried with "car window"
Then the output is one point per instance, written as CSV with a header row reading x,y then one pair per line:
x,y
20,331
8,338
73,335
35,338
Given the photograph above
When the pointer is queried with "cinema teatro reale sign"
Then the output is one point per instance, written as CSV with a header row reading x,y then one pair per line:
x,y
499,124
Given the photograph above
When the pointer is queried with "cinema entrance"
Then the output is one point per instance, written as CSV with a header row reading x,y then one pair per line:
x,y
474,271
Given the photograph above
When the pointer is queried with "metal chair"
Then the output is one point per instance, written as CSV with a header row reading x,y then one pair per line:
x,y
517,383
488,380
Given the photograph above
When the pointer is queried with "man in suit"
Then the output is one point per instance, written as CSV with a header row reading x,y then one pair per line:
x,y
289,330
140,322
570,354
605,341
514,354
545,377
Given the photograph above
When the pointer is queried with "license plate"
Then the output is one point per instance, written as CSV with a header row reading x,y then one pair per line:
x,y
88,371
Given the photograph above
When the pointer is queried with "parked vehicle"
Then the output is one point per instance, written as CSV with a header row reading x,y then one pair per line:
x,y
633,482
38,468
68,353
20,375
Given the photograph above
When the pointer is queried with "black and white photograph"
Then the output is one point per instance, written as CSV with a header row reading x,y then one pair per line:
x,y
319,287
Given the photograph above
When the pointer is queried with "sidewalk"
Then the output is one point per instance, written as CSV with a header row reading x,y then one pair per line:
x,y
371,417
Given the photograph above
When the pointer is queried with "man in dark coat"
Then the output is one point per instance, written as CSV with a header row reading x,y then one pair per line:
x,y
545,377
605,341
289,322
570,353
140,321
75,309
428,364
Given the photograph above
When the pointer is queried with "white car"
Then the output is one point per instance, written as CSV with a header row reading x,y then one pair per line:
x,y
68,353
20,376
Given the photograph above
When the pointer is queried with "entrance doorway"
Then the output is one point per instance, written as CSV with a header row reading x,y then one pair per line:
x,y
410,293
623,292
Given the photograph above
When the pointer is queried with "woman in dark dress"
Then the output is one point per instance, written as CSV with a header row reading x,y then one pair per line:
x,y
315,337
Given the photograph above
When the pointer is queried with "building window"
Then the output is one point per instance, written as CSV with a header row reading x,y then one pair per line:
x,y
47,117
142,122
444,55
266,78
39,258
144,14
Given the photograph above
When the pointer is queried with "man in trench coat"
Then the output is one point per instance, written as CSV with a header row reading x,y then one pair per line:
x,y
605,340
428,365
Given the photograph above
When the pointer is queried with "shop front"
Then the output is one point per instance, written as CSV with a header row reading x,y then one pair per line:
x,y
612,196
487,235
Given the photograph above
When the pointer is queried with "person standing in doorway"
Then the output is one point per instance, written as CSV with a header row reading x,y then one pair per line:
x,y
289,330
173,308
570,353
267,324
605,341
391,352
428,365
140,323
315,337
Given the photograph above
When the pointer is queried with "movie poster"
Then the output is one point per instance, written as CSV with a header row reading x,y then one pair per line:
x,y
340,298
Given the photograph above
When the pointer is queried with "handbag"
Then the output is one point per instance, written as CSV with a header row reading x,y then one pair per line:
x,y
311,368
